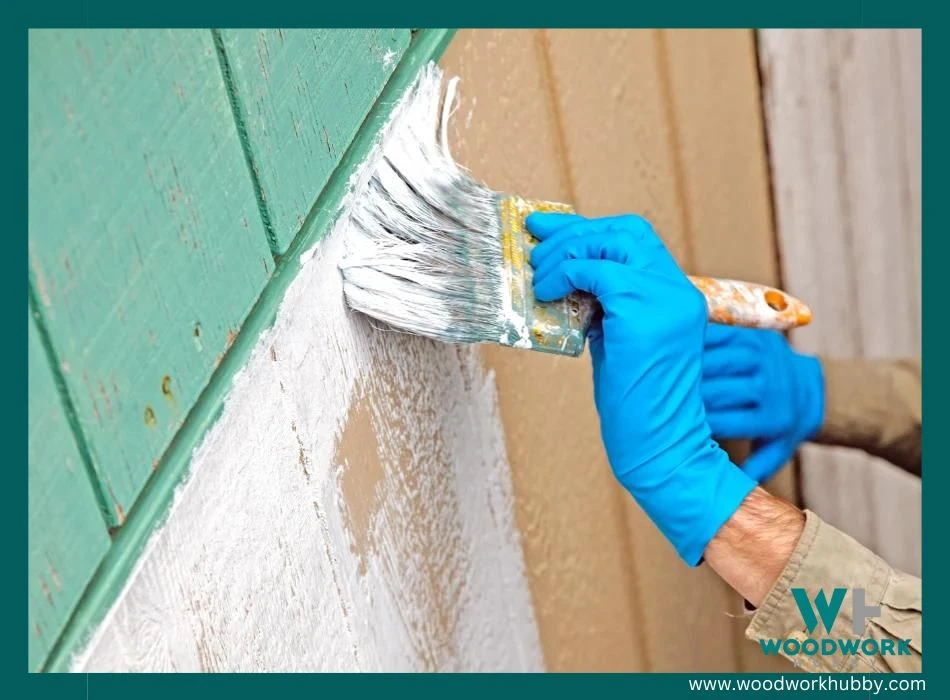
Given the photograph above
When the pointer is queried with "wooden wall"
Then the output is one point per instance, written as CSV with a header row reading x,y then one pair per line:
x,y
360,501
667,124
844,123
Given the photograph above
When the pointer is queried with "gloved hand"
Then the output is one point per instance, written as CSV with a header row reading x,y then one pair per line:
x,y
756,386
647,360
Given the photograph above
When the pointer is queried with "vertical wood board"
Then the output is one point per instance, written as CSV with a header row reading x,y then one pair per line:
x,y
843,116
568,506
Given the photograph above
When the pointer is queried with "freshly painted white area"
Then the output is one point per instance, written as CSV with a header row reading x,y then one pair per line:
x,y
843,110
302,542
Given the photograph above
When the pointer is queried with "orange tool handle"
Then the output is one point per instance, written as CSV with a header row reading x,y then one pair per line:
x,y
736,303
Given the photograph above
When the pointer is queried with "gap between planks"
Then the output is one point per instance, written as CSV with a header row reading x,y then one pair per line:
x,y
240,123
103,502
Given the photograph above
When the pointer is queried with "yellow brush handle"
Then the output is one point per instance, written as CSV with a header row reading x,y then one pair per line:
x,y
736,303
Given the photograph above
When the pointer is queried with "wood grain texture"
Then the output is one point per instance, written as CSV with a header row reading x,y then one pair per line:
x,y
569,508
146,246
843,114
301,96
715,115
67,533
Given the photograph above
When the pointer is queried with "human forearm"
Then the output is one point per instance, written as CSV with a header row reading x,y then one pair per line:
x,y
875,406
750,551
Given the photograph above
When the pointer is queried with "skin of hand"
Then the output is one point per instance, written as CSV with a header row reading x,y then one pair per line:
x,y
646,352
751,550
755,386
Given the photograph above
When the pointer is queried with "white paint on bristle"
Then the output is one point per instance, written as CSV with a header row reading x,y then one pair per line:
x,y
424,248
265,562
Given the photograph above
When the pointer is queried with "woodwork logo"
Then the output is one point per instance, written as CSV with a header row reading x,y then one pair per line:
x,y
827,612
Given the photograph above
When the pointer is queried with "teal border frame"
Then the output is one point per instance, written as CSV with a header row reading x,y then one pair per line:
x,y
686,13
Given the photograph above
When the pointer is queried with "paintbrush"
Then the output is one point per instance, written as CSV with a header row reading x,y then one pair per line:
x,y
434,252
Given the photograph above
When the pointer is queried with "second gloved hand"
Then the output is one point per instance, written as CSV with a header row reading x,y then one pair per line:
x,y
756,386
647,361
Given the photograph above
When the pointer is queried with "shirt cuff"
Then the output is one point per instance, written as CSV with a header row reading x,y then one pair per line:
x,y
824,559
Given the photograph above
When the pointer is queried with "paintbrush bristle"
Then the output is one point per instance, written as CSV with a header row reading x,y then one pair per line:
x,y
434,252
425,248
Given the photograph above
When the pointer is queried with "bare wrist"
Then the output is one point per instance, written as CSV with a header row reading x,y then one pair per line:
x,y
750,551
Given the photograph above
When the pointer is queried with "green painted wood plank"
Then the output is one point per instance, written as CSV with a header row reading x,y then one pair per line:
x,y
146,246
67,535
301,96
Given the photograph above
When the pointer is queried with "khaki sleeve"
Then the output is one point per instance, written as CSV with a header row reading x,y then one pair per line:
x,y
875,406
888,638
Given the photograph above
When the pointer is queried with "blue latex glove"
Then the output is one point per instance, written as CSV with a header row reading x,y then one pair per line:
x,y
647,360
756,386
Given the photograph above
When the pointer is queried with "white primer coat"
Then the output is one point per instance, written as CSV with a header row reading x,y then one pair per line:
x,y
259,567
